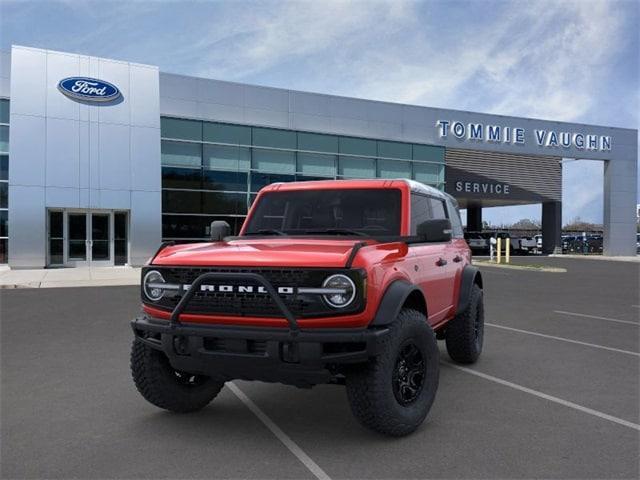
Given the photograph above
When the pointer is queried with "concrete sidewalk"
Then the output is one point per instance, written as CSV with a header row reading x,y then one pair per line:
x,y
69,277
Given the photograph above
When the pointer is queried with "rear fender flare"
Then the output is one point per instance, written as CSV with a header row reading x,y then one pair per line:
x,y
470,275
393,300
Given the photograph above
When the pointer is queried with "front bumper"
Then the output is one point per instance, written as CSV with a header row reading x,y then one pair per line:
x,y
292,356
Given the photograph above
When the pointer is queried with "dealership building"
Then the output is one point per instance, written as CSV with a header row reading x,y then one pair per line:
x,y
101,160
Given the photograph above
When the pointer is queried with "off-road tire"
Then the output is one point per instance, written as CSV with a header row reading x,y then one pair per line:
x,y
160,384
465,333
370,387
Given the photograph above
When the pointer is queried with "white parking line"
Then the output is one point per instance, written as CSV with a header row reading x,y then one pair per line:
x,y
596,317
280,435
562,339
551,398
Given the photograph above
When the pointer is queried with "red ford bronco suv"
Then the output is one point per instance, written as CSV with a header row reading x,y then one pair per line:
x,y
346,282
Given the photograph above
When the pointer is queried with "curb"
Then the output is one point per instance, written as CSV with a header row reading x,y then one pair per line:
x,y
520,267
71,284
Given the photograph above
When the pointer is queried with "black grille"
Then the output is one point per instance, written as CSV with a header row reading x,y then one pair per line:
x,y
256,304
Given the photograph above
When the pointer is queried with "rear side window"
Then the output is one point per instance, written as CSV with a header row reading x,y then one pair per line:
x,y
438,210
456,223
420,211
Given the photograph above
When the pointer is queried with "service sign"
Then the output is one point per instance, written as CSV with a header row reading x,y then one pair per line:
x,y
88,89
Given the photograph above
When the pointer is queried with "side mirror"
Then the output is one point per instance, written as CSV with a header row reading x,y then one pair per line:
x,y
219,230
437,230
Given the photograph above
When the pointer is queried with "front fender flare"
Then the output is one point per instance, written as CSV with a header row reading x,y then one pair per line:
x,y
470,275
392,301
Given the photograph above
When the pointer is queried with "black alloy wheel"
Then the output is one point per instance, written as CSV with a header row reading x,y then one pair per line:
x,y
408,374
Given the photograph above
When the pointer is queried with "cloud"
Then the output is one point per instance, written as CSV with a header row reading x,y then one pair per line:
x,y
571,60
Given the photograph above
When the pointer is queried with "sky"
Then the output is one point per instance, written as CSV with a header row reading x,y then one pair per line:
x,y
558,60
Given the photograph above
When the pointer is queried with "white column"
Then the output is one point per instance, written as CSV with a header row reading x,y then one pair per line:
x,y
620,199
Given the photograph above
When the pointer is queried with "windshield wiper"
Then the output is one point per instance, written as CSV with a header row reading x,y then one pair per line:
x,y
266,231
337,231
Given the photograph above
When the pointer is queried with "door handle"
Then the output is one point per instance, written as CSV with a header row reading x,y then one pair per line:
x,y
457,259
441,262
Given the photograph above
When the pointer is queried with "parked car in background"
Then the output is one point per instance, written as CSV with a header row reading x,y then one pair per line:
x,y
528,244
477,242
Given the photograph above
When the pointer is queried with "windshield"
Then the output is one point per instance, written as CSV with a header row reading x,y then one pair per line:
x,y
359,212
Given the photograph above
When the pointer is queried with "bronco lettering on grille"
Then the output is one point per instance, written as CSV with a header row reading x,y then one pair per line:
x,y
241,289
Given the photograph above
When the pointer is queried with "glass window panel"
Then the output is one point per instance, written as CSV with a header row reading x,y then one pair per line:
x,y
4,167
195,227
4,193
259,180
437,208
358,146
120,226
4,251
271,137
184,226
369,211
318,143
456,222
230,203
176,201
394,169
317,164
430,173
100,250
77,236
4,111
56,252
55,225
226,157
310,178
4,139
420,211
394,150
275,161
217,180
357,167
4,223
120,242
428,153
183,154
225,133
173,177
178,128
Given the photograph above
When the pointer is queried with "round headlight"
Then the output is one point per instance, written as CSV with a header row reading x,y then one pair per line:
x,y
344,291
152,285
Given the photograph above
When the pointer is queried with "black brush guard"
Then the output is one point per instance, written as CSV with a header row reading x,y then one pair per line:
x,y
295,356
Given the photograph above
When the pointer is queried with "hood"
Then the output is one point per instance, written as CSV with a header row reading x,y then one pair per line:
x,y
276,252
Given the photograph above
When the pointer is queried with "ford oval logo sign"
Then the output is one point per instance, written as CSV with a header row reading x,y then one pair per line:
x,y
89,89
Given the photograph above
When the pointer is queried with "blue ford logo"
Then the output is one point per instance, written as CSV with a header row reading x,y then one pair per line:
x,y
89,89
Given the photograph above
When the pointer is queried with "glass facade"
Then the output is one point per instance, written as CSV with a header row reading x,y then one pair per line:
x,y
4,180
212,171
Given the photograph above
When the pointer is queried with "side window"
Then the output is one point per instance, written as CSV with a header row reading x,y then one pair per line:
x,y
456,223
437,208
420,211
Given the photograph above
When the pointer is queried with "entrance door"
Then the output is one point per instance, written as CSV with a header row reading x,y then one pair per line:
x,y
87,238
100,242
77,240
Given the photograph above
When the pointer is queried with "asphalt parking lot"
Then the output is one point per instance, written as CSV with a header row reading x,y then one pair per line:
x,y
554,395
